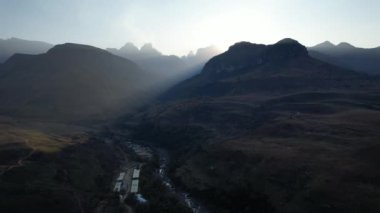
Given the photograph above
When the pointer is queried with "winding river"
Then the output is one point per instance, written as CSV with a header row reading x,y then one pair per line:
x,y
182,195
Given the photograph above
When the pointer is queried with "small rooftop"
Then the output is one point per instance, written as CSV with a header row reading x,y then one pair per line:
x,y
135,186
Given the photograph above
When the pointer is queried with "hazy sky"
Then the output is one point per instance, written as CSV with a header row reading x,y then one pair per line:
x,y
177,26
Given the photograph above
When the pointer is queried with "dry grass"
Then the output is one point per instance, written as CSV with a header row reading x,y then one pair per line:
x,y
33,139
311,152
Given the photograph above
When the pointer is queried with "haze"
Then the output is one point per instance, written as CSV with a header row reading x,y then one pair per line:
x,y
176,27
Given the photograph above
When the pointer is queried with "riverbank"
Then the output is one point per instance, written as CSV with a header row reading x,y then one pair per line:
x,y
158,197
183,196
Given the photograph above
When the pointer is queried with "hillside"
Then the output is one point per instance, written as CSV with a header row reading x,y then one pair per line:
x,y
345,55
9,47
284,67
50,171
70,82
270,129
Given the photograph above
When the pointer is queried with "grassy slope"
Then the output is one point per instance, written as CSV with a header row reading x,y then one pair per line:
x,y
42,172
313,152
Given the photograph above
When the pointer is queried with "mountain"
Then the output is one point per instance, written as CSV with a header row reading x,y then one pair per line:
x,y
147,51
267,128
70,82
167,69
130,51
201,56
11,46
170,69
348,56
55,155
279,68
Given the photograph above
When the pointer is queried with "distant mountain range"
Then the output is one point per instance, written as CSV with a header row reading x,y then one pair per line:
x,y
147,51
344,55
77,82
31,83
70,82
147,55
347,56
11,46
260,128
171,67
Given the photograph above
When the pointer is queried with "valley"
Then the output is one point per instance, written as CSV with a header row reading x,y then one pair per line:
x,y
191,106
290,144
262,128
284,154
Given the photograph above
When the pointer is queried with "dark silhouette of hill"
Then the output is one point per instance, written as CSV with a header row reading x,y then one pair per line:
x,y
345,55
279,68
11,46
70,82
267,128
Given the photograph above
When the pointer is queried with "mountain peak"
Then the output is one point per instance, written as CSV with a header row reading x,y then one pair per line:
x,y
104,80
241,45
149,50
325,44
210,50
283,49
130,48
286,49
345,45
73,48
288,41
244,54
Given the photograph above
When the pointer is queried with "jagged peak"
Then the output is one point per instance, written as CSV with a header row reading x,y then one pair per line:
x,y
130,46
325,44
147,46
149,49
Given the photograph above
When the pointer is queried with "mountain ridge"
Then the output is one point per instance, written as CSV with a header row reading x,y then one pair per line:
x,y
11,46
348,56
69,81
279,68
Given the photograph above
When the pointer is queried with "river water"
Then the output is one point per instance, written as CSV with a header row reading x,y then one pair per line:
x,y
182,195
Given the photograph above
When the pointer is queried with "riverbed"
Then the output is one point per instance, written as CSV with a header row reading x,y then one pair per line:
x,y
184,197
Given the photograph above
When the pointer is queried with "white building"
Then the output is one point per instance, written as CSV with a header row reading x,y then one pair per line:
x,y
136,173
135,186
121,176
117,187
